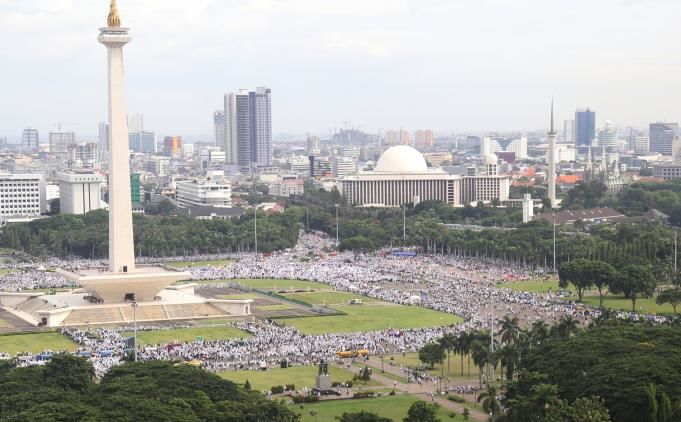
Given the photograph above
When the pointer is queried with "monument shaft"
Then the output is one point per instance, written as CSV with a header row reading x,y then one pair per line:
x,y
121,246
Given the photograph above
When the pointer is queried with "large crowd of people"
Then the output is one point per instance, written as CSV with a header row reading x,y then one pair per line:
x,y
463,286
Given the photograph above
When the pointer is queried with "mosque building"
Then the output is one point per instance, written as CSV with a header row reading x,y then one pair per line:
x,y
402,176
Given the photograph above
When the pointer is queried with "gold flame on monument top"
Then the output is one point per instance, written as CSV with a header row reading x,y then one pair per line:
x,y
114,20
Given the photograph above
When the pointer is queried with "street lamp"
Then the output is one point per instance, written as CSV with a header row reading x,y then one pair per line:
x,y
337,225
134,319
382,371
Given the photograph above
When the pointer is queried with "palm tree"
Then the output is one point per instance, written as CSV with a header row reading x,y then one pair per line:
x,y
480,354
447,342
651,392
508,355
509,329
460,348
490,403
567,326
544,396
539,332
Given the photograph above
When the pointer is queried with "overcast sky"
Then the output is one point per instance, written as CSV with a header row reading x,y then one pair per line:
x,y
449,65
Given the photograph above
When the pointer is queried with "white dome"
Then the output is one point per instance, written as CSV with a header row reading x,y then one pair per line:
x,y
491,159
401,159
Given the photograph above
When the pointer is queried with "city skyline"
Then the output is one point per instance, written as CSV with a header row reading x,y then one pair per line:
x,y
368,63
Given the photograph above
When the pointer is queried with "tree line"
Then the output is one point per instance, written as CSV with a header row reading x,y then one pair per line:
x,y
613,370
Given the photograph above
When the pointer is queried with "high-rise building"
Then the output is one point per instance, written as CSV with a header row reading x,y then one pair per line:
x,y
219,126
641,144
157,165
569,132
425,138
79,192
313,147
261,127
30,140
135,187
144,142
60,141
607,137
135,122
404,137
230,145
172,146
242,121
585,127
247,138
662,136
504,142
103,141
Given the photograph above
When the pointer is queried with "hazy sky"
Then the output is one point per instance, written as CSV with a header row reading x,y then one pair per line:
x,y
449,65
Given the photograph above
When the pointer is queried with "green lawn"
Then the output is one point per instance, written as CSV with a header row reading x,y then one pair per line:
x,y
241,296
186,334
454,371
35,343
328,297
283,307
372,318
393,407
619,302
300,376
217,263
267,283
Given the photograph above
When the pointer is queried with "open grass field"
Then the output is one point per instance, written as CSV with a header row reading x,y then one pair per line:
x,y
619,302
282,307
186,334
217,263
5,271
393,407
273,284
379,316
241,296
300,376
328,297
35,343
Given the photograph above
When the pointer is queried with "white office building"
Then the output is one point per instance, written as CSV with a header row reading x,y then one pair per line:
x,y
158,166
80,192
20,195
500,142
215,192
343,166
212,156
60,141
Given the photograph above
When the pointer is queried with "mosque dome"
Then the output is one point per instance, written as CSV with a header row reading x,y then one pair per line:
x,y
401,159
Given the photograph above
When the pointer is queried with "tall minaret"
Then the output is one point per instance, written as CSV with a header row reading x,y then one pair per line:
x,y
551,173
121,246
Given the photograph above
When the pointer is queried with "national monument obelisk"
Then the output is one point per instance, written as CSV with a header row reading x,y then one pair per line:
x,y
121,245
123,282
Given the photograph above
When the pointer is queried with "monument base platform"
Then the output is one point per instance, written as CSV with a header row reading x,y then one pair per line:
x,y
75,308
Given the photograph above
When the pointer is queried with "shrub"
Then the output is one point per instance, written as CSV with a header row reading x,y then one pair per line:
x,y
305,399
290,387
348,384
363,394
456,399
277,389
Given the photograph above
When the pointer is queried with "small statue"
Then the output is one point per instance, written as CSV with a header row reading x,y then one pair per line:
x,y
114,20
323,368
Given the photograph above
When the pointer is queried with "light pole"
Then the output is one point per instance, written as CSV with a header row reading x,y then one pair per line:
x,y
404,226
255,229
554,243
337,225
134,319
